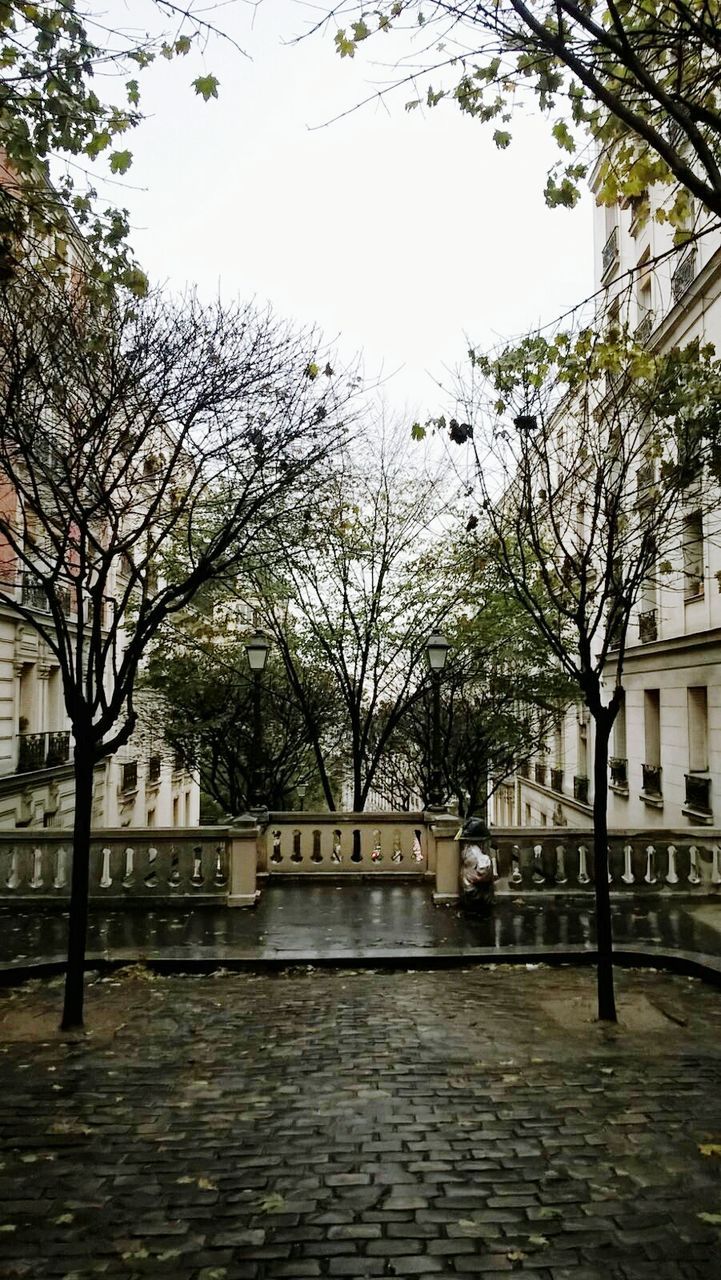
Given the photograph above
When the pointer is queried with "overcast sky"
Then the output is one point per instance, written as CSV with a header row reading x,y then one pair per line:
x,y
398,233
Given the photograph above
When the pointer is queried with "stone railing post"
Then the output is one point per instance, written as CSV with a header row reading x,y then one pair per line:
x,y
243,840
443,828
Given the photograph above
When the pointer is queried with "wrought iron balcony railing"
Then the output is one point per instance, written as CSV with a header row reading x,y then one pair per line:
x,y
647,626
652,779
644,329
683,275
580,789
557,779
42,750
609,253
154,765
129,778
539,772
619,771
698,793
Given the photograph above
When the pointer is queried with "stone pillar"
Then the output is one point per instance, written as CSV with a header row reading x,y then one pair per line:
x,y
443,828
243,838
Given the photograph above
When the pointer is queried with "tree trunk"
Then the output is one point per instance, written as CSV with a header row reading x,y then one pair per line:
x,y
78,922
604,935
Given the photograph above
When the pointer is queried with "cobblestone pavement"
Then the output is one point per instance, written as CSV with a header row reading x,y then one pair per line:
x,y
362,1123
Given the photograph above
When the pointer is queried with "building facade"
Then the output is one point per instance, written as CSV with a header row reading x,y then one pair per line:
x,y
665,768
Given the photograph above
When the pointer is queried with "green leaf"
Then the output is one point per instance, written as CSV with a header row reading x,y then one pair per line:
x,y
120,161
206,86
502,139
311,370
360,30
344,46
418,432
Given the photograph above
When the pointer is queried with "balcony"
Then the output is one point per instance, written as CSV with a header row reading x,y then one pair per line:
x,y
652,780
580,789
524,770
683,275
42,750
619,773
609,253
644,329
557,780
154,765
698,793
129,776
539,773
614,631
58,748
647,626
35,596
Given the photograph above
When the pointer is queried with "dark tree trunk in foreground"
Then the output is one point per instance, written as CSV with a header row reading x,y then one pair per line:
x,y
78,920
604,934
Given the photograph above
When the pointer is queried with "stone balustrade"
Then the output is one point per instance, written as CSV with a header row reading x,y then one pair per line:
x,y
346,844
123,864
223,863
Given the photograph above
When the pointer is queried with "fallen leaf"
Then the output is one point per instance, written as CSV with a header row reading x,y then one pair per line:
x,y
272,1203
710,1148
538,1242
713,1218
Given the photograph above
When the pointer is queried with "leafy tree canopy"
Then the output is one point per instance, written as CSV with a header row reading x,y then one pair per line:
x,y
634,82
61,66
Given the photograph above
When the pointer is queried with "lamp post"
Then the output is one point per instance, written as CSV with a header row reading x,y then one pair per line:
x,y
256,647
436,651
301,789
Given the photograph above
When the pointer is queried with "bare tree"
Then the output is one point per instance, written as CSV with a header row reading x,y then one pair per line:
x,y
145,447
583,493
362,601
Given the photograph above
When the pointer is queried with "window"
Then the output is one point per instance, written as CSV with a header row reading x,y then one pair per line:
x,y
693,555
652,726
697,729
644,286
619,729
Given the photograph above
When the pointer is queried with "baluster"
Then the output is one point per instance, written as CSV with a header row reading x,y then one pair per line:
x,y
174,877
276,855
296,855
316,855
561,877
671,874
539,876
608,866
494,863
583,876
196,878
336,854
357,854
151,878
694,876
37,876
13,879
376,852
60,869
627,876
417,855
397,854
516,877
650,876
129,859
105,877
220,877
716,864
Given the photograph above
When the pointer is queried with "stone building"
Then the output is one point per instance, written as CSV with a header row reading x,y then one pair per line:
x,y
665,770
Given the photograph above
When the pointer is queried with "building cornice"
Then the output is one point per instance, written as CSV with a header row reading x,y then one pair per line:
x,y
696,642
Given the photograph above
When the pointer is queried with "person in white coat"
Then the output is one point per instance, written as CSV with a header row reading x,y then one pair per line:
x,y
476,870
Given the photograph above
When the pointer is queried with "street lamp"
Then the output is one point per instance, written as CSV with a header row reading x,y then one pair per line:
x,y
257,647
436,651
301,789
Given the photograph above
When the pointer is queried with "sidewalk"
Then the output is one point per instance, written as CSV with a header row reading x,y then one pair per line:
x,y
355,1123
379,923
